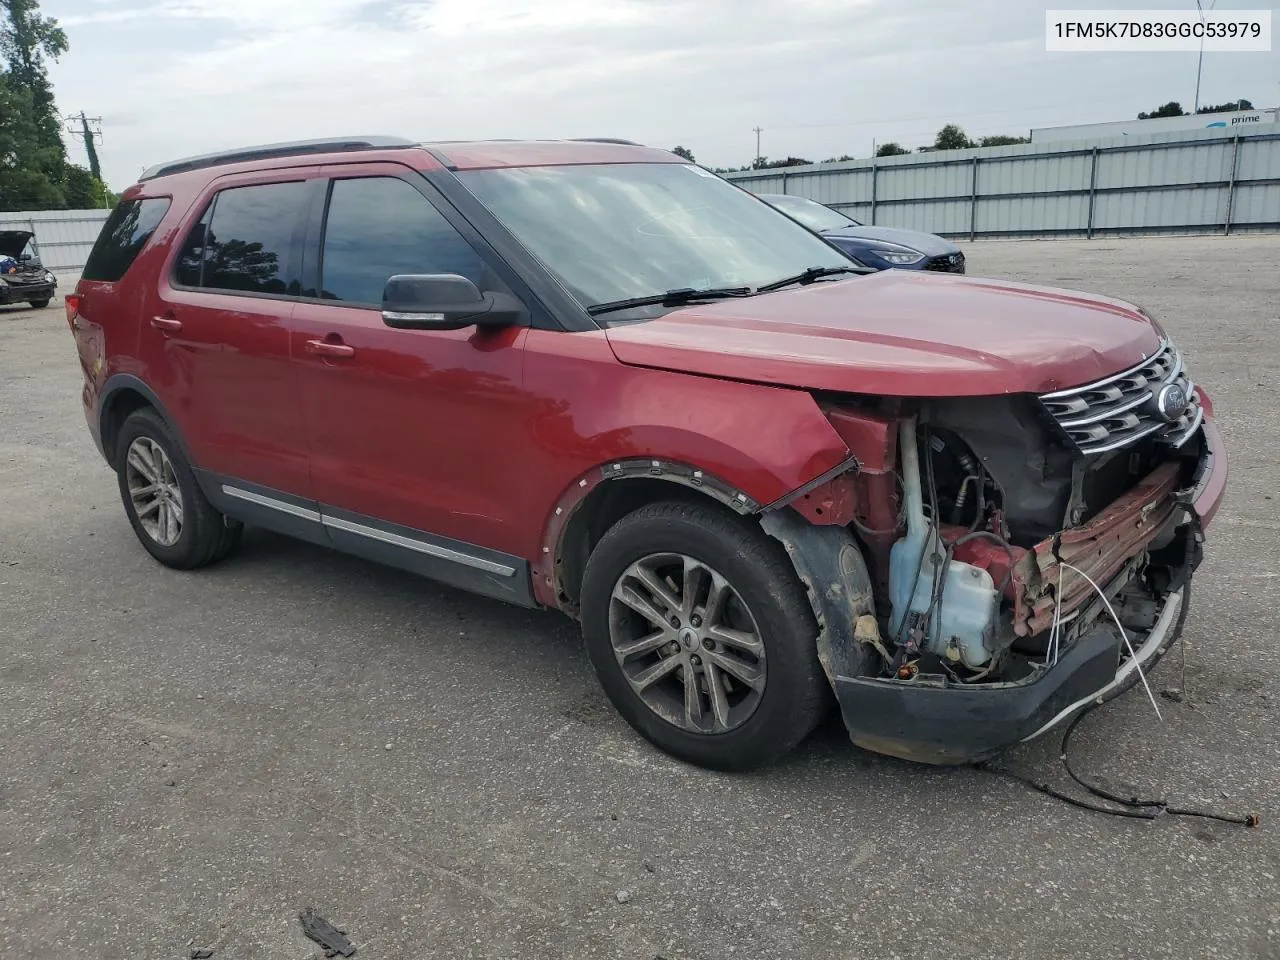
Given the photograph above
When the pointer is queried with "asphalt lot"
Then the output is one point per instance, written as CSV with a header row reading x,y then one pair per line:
x,y
191,759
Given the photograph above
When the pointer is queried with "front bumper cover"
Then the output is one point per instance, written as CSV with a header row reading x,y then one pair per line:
x,y
931,722
27,292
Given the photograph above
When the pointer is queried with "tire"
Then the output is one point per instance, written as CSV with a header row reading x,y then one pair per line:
x,y
146,448
41,303
749,727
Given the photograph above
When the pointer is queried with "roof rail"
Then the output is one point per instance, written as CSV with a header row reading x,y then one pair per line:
x,y
272,151
624,143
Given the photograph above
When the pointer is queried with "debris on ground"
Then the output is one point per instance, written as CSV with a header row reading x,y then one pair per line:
x,y
201,954
323,932
1172,693
623,896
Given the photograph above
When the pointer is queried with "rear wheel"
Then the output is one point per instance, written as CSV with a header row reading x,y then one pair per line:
x,y
41,303
169,512
702,636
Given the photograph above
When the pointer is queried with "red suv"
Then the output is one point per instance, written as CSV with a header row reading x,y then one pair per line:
x,y
588,375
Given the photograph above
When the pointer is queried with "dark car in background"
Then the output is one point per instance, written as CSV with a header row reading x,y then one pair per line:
x,y
22,277
877,247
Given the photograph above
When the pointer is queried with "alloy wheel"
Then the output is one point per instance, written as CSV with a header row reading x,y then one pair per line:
x,y
154,491
687,643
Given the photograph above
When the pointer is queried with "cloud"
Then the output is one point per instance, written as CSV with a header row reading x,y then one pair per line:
x,y
822,77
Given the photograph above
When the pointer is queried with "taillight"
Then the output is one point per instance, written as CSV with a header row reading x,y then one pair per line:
x,y
73,308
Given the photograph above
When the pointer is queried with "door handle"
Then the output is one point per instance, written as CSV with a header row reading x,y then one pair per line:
x,y
171,324
328,348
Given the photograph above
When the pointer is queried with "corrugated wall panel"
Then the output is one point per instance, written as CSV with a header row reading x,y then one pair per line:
x,y
1160,183
1003,216
915,183
941,216
63,238
1186,207
1256,204
1259,161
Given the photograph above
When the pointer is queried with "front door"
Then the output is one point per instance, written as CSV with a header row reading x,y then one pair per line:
x,y
411,431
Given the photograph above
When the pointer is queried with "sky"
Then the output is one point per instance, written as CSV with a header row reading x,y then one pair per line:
x,y
821,78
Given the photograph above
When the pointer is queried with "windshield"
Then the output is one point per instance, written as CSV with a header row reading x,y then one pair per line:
x,y
812,214
611,232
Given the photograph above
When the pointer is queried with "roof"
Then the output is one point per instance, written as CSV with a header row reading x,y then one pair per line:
x,y
487,154
456,155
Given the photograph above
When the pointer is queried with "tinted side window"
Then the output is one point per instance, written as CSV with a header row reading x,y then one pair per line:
x,y
123,236
247,244
378,227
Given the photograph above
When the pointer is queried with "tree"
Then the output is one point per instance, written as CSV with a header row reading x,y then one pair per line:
x,y
82,190
891,150
26,41
839,159
951,137
764,163
1000,140
24,184
34,173
1227,107
684,152
1171,109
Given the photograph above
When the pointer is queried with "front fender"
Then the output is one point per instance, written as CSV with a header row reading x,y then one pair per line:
x,y
753,442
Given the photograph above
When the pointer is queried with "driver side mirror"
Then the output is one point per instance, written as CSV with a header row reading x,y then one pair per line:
x,y
445,301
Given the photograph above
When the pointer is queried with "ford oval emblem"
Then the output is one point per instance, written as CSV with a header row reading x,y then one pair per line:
x,y
1171,402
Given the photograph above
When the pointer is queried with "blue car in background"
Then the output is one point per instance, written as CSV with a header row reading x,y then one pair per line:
x,y
877,247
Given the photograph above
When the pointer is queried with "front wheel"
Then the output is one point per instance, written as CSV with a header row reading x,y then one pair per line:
x,y
41,303
702,636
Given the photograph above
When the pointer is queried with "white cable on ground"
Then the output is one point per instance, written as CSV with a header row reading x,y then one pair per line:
x,y
1132,653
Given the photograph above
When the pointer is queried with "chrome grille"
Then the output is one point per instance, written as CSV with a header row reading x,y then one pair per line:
x,y
1122,409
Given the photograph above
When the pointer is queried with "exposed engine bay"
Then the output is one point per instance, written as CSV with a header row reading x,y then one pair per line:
x,y
1012,541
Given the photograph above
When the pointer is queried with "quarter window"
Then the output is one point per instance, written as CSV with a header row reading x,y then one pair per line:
x,y
378,227
123,236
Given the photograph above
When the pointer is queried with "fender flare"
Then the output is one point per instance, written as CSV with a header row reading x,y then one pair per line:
x,y
119,382
546,566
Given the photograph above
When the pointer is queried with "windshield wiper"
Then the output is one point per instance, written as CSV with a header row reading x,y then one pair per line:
x,y
808,276
672,298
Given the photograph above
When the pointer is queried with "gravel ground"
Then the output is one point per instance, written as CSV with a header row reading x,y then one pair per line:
x,y
192,759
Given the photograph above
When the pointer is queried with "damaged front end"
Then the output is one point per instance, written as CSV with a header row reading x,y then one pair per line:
x,y
991,566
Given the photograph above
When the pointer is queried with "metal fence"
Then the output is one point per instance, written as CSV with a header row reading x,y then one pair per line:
x,y
1199,182
63,238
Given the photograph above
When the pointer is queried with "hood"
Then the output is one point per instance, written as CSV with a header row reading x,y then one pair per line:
x,y
926,243
900,333
13,242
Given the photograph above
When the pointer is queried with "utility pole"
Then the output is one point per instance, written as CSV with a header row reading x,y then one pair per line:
x,y
757,163
90,130
1200,62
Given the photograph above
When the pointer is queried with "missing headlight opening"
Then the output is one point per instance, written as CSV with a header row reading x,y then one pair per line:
x,y
1016,577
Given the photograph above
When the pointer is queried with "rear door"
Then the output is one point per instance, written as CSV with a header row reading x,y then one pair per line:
x,y
216,338
415,434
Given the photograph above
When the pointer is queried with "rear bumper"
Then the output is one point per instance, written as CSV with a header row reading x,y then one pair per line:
x,y
27,292
930,722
